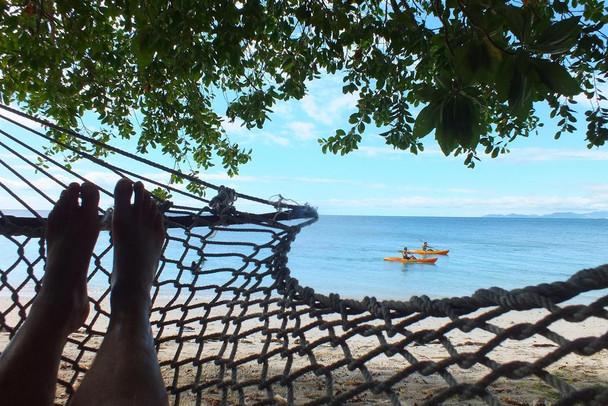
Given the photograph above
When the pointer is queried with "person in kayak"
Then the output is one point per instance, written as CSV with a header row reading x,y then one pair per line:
x,y
425,246
406,255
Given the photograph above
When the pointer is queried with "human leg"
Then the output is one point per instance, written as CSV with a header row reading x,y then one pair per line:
x,y
29,364
125,370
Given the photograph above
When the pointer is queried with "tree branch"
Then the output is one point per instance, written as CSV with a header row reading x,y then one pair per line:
x,y
480,28
445,26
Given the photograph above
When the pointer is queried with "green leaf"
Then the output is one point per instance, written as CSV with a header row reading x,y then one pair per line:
x,y
518,22
143,50
460,120
556,78
503,78
444,80
426,120
522,88
426,93
161,193
472,62
559,37
446,142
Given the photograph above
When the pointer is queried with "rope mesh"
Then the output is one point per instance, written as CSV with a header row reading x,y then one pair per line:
x,y
233,327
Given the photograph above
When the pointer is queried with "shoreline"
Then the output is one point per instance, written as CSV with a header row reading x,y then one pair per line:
x,y
585,298
166,295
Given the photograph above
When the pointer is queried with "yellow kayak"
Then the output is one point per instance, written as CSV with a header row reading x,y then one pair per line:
x,y
430,252
399,259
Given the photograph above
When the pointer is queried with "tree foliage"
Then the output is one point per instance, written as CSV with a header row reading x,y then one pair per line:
x,y
469,71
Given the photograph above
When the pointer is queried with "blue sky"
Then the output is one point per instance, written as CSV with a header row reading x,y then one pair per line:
x,y
540,175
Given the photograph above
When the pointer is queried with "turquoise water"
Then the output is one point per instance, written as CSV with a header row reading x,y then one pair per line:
x,y
344,254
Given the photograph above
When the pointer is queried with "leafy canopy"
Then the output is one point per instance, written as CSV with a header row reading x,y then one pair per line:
x,y
471,69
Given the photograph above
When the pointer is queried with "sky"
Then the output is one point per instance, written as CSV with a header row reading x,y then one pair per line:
x,y
540,175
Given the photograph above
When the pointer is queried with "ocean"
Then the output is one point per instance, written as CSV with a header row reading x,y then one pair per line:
x,y
344,255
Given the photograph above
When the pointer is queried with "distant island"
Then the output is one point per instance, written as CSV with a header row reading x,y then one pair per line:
x,y
560,215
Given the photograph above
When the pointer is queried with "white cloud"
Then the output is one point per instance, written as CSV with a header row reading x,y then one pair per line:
x,y
299,179
271,139
8,155
21,120
516,155
597,188
236,130
520,155
223,177
311,106
327,108
383,151
42,183
316,180
284,110
235,127
303,130
467,206
344,102
463,191
24,167
388,152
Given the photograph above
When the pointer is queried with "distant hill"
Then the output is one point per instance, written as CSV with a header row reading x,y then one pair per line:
x,y
561,215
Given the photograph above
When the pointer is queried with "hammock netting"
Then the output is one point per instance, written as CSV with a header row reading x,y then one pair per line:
x,y
233,327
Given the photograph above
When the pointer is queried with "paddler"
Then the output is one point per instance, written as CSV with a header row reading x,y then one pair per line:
x,y
406,255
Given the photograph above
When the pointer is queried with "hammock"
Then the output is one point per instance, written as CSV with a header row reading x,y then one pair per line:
x,y
232,326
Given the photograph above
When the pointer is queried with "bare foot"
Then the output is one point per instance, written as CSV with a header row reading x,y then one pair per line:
x,y
71,233
138,233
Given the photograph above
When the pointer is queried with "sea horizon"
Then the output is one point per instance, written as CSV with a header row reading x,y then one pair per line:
x,y
603,215
344,254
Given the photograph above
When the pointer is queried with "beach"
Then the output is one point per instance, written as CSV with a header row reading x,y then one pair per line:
x,y
227,350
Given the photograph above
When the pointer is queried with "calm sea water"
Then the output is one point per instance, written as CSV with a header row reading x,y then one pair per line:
x,y
344,254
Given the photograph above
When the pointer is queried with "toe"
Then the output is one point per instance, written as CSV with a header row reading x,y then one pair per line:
x,y
57,214
159,220
122,194
71,195
60,204
139,201
90,197
149,204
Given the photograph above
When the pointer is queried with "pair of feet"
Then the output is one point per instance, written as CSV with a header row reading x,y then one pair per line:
x,y
72,229
126,370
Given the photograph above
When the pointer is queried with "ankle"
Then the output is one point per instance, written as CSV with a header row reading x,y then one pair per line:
x,y
126,300
65,313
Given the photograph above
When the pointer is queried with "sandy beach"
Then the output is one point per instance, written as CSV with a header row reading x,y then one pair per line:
x,y
243,350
